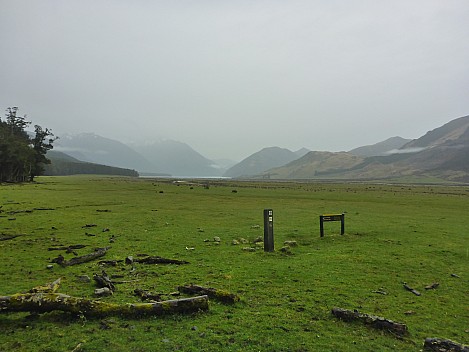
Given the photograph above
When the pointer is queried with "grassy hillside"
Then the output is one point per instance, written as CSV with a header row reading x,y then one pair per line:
x,y
394,234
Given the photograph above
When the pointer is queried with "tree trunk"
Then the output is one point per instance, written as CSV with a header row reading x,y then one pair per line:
x,y
48,302
374,321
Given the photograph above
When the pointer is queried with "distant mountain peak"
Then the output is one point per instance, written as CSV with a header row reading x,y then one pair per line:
x,y
381,148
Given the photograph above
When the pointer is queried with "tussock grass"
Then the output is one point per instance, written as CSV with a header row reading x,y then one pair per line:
x,y
394,234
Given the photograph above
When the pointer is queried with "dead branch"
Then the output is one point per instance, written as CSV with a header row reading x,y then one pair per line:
x,y
48,302
374,321
104,281
217,294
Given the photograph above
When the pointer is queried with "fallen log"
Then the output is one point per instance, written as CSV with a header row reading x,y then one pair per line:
x,y
442,345
49,302
99,252
374,321
217,294
159,260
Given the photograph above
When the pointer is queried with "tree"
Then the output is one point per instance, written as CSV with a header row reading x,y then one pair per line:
x,y
22,157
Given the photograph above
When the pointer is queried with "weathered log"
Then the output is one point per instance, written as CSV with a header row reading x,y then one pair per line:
x,y
374,321
99,252
159,260
48,302
408,288
217,294
442,345
67,248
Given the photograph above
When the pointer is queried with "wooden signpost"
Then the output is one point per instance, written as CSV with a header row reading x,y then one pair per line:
x,y
268,230
332,217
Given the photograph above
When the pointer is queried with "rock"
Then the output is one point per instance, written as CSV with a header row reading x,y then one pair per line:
x,y
235,242
285,249
129,260
258,239
255,227
50,266
217,239
243,240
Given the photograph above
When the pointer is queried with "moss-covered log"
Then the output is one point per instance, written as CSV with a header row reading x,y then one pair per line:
x,y
48,288
48,302
217,294
442,345
374,321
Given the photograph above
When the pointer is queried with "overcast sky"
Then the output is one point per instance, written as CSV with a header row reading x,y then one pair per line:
x,y
231,77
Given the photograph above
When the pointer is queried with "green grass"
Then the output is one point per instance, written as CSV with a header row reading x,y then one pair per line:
x,y
394,234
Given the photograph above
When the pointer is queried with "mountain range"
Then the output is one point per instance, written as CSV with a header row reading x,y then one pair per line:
x,y
442,153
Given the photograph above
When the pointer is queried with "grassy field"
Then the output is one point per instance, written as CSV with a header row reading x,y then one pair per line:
x,y
393,234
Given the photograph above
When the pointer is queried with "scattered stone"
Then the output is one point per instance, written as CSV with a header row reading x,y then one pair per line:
x,y
129,260
243,240
50,266
249,249
104,291
409,312
189,248
216,239
258,240
455,275
291,243
255,227
234,191
285,249
106,230
200,230
235,242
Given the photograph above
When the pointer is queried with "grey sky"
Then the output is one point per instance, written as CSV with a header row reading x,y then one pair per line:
x,y
231,77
